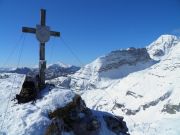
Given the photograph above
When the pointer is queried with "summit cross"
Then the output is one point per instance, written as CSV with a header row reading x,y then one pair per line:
x,y
43,34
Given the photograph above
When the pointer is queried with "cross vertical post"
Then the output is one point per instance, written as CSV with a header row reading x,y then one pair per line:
x,y
43,34
42,62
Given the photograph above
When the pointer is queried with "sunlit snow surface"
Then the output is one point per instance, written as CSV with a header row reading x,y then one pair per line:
x,y
28,119
159,84
32,119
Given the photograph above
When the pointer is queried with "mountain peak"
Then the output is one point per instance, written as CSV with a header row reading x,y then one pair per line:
x,y
162,46
60,64
166,38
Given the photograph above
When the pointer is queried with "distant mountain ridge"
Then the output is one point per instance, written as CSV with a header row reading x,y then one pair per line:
x,y
52,71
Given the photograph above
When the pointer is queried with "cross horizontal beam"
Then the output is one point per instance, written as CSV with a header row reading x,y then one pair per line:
x,y
55,34
33,30
28,30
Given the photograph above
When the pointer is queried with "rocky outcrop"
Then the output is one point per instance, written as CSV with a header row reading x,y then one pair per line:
x,y
28,93
76,118
118,58
4,76
171,109
146,106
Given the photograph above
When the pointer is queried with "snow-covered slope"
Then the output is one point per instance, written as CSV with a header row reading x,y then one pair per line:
x,y
114,65
141,85
33,119
149,99
27,119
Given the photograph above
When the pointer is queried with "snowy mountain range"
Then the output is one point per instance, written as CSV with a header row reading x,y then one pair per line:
x,y
52,71
140,84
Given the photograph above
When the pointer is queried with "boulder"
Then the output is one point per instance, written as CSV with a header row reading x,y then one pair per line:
x,y
28,92
80,120
77,118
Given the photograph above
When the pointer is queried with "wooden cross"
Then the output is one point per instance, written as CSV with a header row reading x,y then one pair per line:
x,y
43,34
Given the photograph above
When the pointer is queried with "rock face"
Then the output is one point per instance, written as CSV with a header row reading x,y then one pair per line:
x,y
55,128
131,56
171,109
116,124
76,118
28,93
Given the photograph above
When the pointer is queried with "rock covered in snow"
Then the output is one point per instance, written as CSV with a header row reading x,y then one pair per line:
x,y
76,118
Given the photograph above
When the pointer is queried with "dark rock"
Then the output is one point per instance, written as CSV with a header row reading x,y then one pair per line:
x,y
4,76
93,124
132,112
80,120
171,109
55,128
87,125
28,92
70,112
133,94
116,124
77,118
158,52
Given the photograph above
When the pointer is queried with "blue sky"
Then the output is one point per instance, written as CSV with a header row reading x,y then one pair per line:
x,y
91,28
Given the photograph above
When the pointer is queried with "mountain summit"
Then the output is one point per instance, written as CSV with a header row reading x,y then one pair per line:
x,y
162,46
